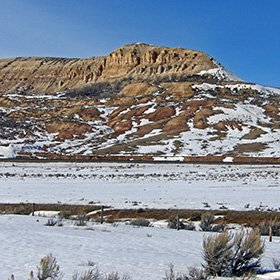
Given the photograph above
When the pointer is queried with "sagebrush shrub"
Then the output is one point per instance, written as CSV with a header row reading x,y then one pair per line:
x,y
216,253
247,249
218,227
195,216
189,226
91,274
170,274
173,223
115,276
50,223
140,222
49,269
64,215
276,264
233,254
265,226
206,222
197,273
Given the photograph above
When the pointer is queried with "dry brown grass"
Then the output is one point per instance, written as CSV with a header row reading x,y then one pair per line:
x,y
250,148
26,208
254,134
247,218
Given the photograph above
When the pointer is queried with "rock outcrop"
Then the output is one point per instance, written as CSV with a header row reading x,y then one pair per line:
x,y
40,75
140,102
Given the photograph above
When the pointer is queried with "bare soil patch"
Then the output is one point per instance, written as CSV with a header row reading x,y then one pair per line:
x,y
250,148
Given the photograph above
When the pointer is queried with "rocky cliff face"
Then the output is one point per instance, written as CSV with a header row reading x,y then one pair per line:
x,y
40,75
139,102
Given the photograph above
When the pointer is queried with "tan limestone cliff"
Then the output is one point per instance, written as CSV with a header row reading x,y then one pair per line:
x,y
40,75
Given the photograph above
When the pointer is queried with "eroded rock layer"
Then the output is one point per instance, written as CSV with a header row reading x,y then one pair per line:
x,y
140,102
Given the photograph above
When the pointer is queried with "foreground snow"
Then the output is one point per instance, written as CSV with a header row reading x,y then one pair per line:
x,y
143,253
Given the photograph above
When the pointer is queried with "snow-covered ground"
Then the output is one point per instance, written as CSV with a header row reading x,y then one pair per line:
x,y
143,253
120,185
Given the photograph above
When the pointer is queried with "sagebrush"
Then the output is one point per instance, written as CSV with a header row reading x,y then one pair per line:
x,y
229,254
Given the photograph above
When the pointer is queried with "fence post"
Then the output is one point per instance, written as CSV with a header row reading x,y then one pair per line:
x,y
101,215
33,208
178,222
270,234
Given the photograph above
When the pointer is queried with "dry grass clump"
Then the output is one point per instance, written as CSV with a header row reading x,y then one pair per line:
x,y
65,209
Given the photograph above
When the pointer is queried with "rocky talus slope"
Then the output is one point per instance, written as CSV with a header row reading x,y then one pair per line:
x,y
140,102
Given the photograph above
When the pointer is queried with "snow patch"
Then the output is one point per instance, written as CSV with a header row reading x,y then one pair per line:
x,y
7,152
228,159
221,73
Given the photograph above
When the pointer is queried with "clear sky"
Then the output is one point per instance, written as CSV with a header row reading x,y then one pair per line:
x,y
243,35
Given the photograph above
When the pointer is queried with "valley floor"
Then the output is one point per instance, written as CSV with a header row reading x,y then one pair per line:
x,y
143,253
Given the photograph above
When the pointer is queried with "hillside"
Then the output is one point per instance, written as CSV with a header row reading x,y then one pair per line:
x,y
140,102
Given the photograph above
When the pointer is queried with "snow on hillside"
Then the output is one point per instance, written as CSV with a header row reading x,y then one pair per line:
x,y
207,140
263,90
221,73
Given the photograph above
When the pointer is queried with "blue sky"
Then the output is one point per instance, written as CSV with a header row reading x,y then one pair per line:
x,y
241,34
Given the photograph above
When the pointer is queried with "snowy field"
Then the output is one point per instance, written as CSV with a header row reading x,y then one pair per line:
x,y
150,185
143,253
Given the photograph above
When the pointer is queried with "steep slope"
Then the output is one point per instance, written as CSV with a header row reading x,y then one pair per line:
x,y
38,75
140,102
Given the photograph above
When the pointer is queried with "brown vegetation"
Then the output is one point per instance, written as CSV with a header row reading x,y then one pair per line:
x,y
247,218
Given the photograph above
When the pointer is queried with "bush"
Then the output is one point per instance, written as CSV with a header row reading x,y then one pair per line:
x,y
248,249
48,269
265,226
170,274
195,216
216,253
173,222
195,273
140,222
94,274
91,274
276,264
233,254
115,276
218,228
81,220
50,223
206,222
81,223
98,90
189,226
64,215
